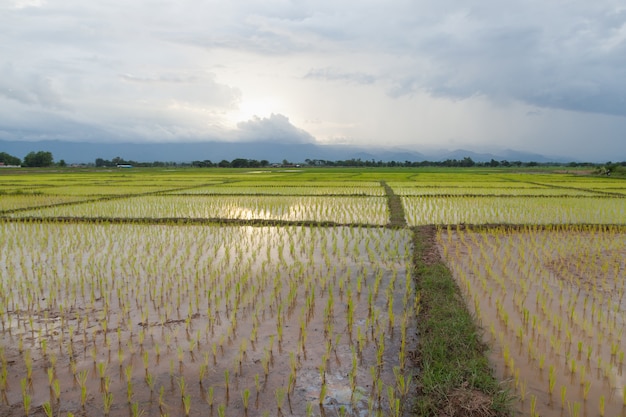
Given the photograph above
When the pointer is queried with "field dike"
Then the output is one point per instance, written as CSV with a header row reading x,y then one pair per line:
x,y
396,209
454,374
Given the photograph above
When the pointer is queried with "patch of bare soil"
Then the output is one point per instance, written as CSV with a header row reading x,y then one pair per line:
x,y
431,254
464,402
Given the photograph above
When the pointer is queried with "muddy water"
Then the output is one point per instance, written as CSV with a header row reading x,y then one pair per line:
x,y
553,309
162,315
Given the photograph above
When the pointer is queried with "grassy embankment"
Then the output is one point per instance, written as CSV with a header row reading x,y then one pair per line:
x,y
454,377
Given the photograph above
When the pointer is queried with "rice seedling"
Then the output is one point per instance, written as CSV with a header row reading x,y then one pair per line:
x,y
533,406
28,362
187,404
601,406
47,408
129,390
26,398
57,390
226,383
135,412
323,390
182,385
107,402
245,396
210,396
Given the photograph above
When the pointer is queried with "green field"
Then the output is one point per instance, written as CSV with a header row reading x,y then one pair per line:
x,y
306,291
341,196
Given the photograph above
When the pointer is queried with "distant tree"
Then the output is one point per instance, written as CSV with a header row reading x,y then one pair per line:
x,y
62,163
467,162
224,164
9,159
239,163
103,162
264,163
203,164
38,159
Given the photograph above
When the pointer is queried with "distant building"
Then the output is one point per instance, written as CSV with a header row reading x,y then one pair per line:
x,y
124,166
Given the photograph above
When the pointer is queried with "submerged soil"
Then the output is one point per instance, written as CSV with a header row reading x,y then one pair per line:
x,y
552,306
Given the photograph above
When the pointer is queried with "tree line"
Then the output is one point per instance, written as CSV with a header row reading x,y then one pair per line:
x,y
235,163
45,159
32,159
605,168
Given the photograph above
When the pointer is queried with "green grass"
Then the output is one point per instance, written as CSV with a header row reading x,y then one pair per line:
x,y
452,359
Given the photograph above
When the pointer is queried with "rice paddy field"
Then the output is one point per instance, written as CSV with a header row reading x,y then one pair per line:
x,y
223,292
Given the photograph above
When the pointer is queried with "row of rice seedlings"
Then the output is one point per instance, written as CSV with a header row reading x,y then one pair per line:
x,y
319,189
108,189
294,182
490,190
96,304
513,210
85,177
21,201
552,300
590,182
364,210
452,177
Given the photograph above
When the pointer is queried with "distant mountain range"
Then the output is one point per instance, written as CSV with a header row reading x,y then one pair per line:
x,y
85,152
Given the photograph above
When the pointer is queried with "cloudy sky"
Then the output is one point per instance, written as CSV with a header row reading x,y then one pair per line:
x,y
531,75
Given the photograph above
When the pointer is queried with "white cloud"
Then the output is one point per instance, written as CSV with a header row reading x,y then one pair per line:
x,y
276,128
30,88
21,4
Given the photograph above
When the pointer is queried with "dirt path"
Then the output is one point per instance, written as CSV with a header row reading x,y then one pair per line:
x,y
396,209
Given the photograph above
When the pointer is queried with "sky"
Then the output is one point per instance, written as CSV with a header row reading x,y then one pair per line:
x,y
532,75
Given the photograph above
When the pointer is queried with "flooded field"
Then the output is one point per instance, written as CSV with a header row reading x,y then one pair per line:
x,y
194,320
553,308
